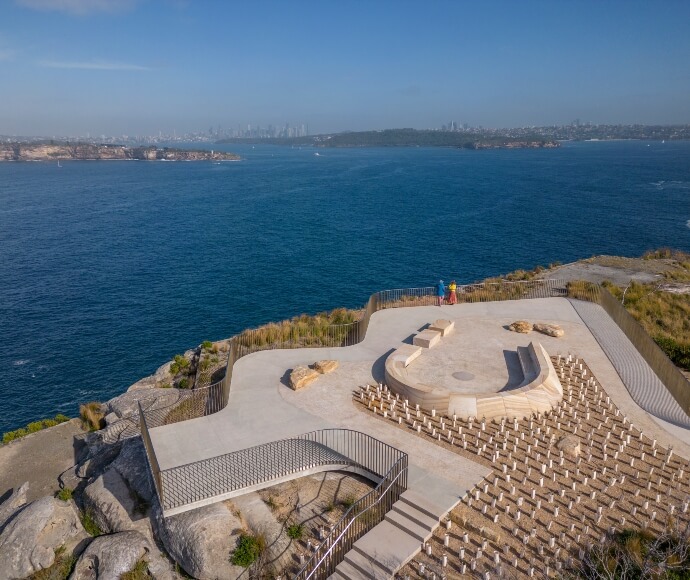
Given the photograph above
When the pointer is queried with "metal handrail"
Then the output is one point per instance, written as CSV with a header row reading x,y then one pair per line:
x,y
310,570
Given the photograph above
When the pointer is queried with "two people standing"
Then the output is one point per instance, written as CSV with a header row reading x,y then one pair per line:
x,y
446,294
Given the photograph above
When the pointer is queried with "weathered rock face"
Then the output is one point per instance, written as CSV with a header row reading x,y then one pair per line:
x,y
133,466
108,557
201,541
29,540
109,502
10,506
570,444
521,326
301,377
162,375
126,404
325,366
549,329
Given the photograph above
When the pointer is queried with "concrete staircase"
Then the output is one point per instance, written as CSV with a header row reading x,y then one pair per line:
x,y
381,552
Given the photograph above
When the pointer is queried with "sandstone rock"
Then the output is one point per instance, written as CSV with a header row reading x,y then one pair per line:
x,y
570,444
29,540
126,404
109,502
13,503
549,329
100,456
133,466
302,376
108,557
325,366
521,326
201,541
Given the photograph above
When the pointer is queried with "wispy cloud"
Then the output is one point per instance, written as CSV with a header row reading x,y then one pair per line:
x,y
6,54
92,65
78,7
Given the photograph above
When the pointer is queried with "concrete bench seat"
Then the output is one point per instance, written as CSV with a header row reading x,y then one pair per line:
x,y
427,338
405,354
445,327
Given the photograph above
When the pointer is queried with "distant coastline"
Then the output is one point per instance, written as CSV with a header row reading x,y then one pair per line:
x,y
88,152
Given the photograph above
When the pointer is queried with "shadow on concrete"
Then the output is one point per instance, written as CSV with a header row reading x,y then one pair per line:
x,y
285,379
378,369
515,374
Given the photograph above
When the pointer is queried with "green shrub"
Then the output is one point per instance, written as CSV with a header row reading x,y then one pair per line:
x,y
183,384
178,364
295,531
34,427
678,352
248,550
90,524
206,345
65,494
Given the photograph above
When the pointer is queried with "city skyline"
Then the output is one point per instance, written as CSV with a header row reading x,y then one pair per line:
x,y
77,67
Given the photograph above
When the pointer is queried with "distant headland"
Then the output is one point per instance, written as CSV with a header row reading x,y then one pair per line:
x,y
91,152
411,138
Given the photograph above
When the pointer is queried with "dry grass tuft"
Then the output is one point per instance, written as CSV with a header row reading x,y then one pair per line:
x,y
92,415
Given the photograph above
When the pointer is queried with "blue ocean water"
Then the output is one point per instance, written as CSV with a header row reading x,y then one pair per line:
x,y
107,269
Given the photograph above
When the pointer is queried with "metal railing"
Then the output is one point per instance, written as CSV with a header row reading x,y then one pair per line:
x,y
258,466
362,516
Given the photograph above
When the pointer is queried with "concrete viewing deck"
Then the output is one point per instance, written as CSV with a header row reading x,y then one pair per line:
x,y
262,409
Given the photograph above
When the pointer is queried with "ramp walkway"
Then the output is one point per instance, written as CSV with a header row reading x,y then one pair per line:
x,y
644,386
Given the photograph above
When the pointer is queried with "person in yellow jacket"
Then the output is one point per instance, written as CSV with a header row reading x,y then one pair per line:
x,y
452,297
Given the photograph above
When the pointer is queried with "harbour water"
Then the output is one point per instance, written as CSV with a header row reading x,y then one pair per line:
x,y
108,269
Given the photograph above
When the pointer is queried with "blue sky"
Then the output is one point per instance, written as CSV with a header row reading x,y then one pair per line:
x,y
68,67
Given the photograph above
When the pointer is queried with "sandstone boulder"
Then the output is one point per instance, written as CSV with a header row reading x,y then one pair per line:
x,y
108,557
301,377
570,445
521,326
201,540
13,503
29,540
549,329
325,366
133,466
109,502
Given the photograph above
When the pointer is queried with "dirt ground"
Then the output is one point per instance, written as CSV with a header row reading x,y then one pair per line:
x,y
616,269
40,458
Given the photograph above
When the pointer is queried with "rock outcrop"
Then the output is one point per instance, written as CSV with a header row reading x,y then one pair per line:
x,y
325,366
521,326
549,329
108,557
302,376
29,540
201,541
88,151
13,503
570,444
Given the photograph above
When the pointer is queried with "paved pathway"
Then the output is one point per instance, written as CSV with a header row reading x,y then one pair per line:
x,y
642,383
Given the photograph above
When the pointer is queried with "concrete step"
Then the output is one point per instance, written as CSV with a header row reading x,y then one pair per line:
x,y
414,515
422,533
390,547
424,505
363,565
346,571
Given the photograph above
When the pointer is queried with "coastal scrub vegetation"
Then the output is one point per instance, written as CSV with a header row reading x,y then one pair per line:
x,y
664,315
139,572
65,494
90,525
34,427
325,328
179,365
633,554
92,416
61,568
248,550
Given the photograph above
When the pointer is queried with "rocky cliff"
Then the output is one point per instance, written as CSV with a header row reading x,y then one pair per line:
x,y
85,151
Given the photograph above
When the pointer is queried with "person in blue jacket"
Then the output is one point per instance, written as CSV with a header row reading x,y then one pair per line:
x,y
440,292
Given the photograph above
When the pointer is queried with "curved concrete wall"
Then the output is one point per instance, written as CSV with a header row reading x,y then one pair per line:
x,y
539,395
